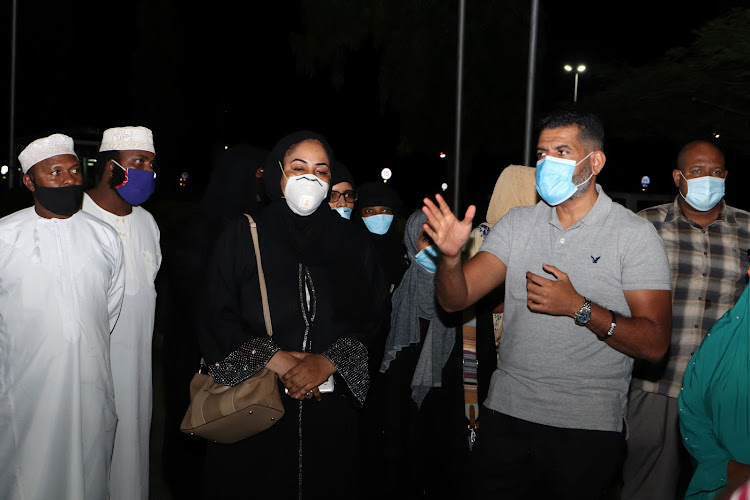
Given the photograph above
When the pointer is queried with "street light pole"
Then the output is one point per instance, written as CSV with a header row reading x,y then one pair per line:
x,y
12,118
580,69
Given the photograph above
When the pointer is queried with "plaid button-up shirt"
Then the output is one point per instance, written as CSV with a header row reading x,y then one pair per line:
x,y
709,272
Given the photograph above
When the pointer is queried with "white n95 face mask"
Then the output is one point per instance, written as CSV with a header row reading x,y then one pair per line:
x,y
305,193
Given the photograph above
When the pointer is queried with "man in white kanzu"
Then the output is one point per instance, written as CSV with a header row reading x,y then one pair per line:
x,y
124,179
61,288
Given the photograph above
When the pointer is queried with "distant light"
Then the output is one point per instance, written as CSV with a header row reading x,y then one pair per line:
x,y
716,134
579,69
444,186
442,155
386,173
645,181
4,169
184,175
226,147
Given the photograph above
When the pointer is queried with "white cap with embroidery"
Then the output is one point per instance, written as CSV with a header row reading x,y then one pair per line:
x,y
128,139
46,147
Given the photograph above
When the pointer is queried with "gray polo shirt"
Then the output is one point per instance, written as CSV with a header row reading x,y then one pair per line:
x,y
552,371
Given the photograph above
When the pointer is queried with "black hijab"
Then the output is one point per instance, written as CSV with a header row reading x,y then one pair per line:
x,y
341,174
388,246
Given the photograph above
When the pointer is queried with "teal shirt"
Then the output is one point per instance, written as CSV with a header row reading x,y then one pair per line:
x,y
714,402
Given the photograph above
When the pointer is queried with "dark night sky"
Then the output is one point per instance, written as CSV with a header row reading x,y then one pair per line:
x,y
228,75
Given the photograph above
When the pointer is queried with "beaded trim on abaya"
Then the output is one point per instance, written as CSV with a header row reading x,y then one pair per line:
x,y
351,360
244,362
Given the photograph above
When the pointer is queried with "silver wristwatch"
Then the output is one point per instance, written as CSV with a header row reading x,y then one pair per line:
x,y
584,313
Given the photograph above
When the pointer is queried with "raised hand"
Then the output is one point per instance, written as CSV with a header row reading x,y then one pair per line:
x,y
446,231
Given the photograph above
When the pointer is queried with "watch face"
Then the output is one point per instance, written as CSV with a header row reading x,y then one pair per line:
x,y
583,316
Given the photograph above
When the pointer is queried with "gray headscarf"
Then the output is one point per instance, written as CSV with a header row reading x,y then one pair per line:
x,y
414,299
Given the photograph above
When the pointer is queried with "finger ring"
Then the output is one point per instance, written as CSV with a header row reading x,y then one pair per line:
x,y
309,394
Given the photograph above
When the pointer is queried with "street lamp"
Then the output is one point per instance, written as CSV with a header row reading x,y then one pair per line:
x,y
580,69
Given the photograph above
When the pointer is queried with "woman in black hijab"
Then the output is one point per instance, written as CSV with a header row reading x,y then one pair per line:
x,y
232,190
326,305
343,194
421,450
377,210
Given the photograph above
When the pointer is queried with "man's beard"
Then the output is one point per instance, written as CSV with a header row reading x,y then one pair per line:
x,y
581,177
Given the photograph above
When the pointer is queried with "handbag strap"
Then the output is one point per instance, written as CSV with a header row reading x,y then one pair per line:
x,y
261,276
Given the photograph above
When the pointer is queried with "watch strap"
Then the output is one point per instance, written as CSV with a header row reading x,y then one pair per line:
x,y
612,327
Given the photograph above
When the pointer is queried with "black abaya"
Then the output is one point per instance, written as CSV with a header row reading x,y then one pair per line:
x,y
350,294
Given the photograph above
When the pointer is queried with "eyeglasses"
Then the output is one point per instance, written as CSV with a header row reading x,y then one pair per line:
x,y
349,196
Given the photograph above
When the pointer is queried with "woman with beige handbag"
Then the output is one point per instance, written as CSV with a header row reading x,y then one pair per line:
x,y
326,296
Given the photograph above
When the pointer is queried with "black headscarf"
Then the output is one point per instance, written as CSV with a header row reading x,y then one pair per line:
x,y
373,194
231,191
341,174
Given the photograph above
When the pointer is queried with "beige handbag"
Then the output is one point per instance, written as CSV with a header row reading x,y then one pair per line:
x,y
228,414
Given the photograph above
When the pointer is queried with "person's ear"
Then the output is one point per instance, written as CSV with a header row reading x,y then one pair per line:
x,y
676,175
110,167
598,159
28,182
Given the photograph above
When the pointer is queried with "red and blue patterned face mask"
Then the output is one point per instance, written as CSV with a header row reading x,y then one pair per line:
x,y
138,185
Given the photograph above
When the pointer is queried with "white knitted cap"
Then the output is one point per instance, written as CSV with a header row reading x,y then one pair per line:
x,y
128,139
46,147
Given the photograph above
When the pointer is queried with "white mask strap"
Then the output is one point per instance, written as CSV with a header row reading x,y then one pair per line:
x,y
115,162
584,159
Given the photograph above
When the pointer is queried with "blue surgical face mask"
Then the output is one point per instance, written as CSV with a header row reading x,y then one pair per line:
x,y
554,178
378,224
344,212
138,185
428,258
703,193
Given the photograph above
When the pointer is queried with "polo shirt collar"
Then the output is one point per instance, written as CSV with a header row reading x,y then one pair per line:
x,y
595,217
